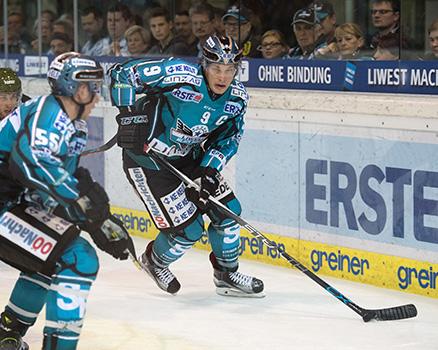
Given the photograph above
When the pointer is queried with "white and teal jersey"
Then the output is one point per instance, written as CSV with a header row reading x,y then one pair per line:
x,y
186,116
40,146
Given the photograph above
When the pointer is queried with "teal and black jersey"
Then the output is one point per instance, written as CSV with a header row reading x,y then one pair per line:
x,y
187,119
40,147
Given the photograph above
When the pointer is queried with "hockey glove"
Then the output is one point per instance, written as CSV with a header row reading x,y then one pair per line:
x,y
132,131
93,201
113,238
209,184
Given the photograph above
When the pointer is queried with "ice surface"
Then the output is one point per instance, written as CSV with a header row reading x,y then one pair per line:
x,y
126,310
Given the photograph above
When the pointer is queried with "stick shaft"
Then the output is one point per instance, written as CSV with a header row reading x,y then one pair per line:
x,y
371,314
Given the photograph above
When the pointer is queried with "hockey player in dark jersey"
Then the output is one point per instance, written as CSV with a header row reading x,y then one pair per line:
x,y
193,115
45,201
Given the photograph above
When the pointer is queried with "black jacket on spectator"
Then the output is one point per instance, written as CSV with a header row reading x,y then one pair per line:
x,y
175,47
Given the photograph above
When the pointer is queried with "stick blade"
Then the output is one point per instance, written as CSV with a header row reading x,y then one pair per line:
x,y
390,314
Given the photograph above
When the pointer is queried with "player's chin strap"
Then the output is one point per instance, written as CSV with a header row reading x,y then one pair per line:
x,y
392,313
82,106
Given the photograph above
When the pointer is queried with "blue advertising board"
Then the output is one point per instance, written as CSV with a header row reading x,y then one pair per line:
x,y
412,77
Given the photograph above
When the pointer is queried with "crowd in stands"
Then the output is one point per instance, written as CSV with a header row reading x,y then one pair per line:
x,y
118,30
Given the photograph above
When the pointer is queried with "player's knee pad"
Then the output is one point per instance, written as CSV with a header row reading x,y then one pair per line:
x,y
217,217
79,259
67,298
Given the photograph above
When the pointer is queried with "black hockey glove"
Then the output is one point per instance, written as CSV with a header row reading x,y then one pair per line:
x,y
132,131
209,184
93,200
112,238
92,205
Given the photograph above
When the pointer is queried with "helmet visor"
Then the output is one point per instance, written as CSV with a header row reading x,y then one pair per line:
x,y
88,75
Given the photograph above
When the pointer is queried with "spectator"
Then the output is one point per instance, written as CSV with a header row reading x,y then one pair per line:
x,y
433,41
309,35
138,39
63,26
273,44
48,15
326,16
183,29
202,18
18,39
218,23
237,23
46,34
92,24
118,20
387,49
60,43
161,29
350,44
385,16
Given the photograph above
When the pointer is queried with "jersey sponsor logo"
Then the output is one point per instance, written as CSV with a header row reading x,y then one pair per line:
x,y
187,95
61,122
223,190
219,156
179,208
140,182
181,68
239,93
180,150
182,78
77,145
25,236
181,133
54,222
121,86
233,108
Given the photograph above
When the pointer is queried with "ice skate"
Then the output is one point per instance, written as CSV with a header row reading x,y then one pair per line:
x,y
164,278
236,284
10,340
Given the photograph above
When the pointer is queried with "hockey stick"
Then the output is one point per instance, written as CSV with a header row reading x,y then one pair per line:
x,y
105,147
392,313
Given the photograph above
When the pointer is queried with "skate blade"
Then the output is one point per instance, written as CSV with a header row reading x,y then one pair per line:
x,y
144,268
230,292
